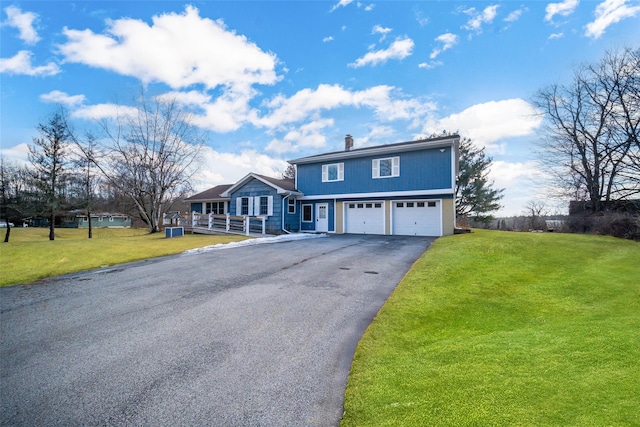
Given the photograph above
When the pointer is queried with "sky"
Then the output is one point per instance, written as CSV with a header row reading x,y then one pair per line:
x,y
270,81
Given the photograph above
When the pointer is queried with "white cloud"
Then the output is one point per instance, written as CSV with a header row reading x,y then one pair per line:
x,y
520,181
327,39
341,3
608,13
21,64
369,7
23,21
171,51
564,8
58,97
430,65
387,103
487,16
399,49
307,135
18,153
103,111
448,40
489,123
227,168
556,36
378,29
515,15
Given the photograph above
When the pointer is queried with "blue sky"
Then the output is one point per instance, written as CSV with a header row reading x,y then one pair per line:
x,y
277,80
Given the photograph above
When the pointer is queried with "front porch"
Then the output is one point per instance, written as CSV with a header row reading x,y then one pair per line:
x,y
199,223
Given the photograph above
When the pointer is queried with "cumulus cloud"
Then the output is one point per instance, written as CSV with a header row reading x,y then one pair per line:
x,y
556,36
23,21
564,8
488,123
172,51
21,64
447,41
399,49
307,135
226,168
478,19
327,39
608,13
386,101
58,97
515,15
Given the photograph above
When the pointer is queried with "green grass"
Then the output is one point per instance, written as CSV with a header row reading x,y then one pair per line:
x,y
30,255
497,329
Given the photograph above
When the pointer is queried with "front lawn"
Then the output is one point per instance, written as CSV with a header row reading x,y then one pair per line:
x,y
496,329
30,255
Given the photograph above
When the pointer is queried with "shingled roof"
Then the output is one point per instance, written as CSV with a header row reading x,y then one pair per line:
x,y
210,194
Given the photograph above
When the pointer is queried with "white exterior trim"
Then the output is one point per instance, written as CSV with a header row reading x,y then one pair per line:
x,y
413,193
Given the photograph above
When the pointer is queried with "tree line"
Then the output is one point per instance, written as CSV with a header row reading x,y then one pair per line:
x,y
142,161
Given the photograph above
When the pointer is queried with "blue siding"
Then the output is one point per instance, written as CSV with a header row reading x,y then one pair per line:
x,y
419,170
196,207
311,226
291,221
256,188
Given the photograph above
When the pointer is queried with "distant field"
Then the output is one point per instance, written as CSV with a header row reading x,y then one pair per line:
x,y
30,255
504,329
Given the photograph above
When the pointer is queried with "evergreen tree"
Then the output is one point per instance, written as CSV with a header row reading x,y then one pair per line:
x,y
475,196
48,157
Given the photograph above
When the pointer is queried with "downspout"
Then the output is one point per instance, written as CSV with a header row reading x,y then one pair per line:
x,y
283,206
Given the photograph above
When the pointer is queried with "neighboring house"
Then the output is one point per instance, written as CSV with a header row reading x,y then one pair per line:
x,y
263,196
406,188
79,219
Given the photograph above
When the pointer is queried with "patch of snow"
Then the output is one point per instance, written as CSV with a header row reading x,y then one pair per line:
x,y
257,241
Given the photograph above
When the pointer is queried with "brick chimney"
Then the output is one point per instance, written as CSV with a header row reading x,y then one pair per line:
x,y
348,142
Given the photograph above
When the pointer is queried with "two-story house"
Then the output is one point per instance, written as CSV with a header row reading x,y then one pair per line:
x,y
406,188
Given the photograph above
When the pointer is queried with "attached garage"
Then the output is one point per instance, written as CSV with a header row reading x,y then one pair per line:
x,y
417,218
364,217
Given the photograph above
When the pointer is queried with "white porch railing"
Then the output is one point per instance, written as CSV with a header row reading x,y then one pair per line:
x,y
224,223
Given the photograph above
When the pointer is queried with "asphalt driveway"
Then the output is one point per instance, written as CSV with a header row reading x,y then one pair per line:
x,y
251,336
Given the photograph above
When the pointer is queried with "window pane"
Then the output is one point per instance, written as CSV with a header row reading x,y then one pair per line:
x,y
385,167
245,206
306,213
264,205
421,204
378,205
409,204
332,171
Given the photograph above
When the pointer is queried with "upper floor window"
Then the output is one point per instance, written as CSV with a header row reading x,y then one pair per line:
x,y
333,172
386,168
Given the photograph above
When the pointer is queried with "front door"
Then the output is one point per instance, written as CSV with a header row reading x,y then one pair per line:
x,y
322,217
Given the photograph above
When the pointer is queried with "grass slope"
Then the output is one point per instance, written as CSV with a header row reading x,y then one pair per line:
x,y
495,329
31,256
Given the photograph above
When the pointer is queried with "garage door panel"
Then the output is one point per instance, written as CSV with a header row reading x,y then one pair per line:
x,y
417,218
364,217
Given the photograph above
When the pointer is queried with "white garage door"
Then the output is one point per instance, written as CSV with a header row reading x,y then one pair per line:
x,y
364,217
417,218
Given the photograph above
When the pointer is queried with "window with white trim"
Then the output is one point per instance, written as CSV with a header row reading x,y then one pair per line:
x,y
333,172
307,213
216,208
291,207
385,168
244,206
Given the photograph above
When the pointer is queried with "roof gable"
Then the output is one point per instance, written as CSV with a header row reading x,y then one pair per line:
x,y
282,186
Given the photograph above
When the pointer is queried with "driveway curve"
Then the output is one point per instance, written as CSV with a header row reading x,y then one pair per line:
x,y
250,336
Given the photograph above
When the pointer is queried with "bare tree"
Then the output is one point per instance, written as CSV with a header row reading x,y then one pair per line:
x,y
150,156
7,177
289,172
591,146
86,175
48,155
535,210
